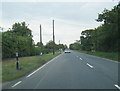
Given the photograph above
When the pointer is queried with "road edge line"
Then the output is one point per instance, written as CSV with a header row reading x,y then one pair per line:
x,y
116,86
42,66
16,84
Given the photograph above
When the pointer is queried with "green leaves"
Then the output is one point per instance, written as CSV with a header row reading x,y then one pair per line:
x,y
21,29
106,37
49,46
18,39
87,39
75,46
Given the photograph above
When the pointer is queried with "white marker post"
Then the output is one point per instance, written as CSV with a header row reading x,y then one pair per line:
x,y
17,61
41,53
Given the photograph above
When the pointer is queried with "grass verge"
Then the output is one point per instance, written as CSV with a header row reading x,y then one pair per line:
x,y
0,72
109,55
27,64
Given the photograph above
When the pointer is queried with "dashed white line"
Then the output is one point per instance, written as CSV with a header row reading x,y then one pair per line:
x,y
117,86
16,83
89,65
80,58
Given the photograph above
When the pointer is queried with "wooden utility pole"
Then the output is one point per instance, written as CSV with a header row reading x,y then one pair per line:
x,y
53,39
59,42
40,34
59,47
40,40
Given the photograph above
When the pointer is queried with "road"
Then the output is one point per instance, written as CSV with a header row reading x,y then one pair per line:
x,y
73,70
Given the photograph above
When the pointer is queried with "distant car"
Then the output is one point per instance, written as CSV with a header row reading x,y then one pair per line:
x,y
67,51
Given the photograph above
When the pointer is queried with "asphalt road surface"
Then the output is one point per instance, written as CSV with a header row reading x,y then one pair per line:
x,y
71,71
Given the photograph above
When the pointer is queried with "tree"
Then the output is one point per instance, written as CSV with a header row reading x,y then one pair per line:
x,y
110,28
18,39
106,37
87,40
49,46
75,46
62,46
21,29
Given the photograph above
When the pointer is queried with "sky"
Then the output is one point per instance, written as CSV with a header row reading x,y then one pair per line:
x,y
70,18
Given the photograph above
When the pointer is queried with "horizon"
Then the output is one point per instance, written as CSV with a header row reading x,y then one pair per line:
x,y
72,18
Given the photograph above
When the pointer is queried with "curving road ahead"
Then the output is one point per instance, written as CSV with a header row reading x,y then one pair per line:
x,y
73,70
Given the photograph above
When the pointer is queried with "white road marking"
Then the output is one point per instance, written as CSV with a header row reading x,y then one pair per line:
x,y
117,86
80,58
35,71
16,83
89,65
41,67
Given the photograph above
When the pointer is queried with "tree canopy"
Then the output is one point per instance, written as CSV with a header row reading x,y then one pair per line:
x,y
106,37
19,39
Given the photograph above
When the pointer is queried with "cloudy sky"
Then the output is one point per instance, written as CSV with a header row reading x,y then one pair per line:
x,y
70,18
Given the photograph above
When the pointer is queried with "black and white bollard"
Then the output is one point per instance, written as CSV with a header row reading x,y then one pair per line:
x,y
17,61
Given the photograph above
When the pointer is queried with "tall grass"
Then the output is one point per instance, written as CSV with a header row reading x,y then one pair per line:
x,y
27,64
109,55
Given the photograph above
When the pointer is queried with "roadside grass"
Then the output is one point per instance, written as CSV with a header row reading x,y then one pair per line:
x,y
27,64
109,55
0,72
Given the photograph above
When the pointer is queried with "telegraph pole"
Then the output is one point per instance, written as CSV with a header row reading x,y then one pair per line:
x,y
40,40
53,39
59,47
59,42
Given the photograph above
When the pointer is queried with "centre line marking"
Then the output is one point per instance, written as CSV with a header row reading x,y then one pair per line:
x,y
16,83
117,86
89,65
80,58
